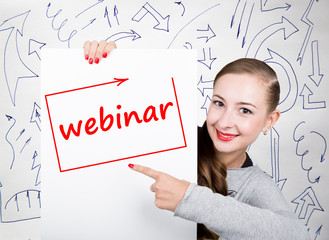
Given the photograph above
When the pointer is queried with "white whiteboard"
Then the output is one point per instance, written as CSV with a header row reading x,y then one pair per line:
x,y
292,36
89,192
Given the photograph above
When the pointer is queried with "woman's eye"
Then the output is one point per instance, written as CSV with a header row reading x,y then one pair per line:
x,y
218,103
245,111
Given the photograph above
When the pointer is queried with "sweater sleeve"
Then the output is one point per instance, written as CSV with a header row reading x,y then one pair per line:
x,y
232,219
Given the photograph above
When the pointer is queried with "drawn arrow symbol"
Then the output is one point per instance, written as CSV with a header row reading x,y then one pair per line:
x,y
116,13
188,45
35,47
90,22
307,203
181,4
6,137
39,197
20,134
21,200
205,85
285,25
119,81
289,100
207,61
206,104
36,164
317,233
28,198
14,28
306,93
209,33
316,76
275,141
267,6
303,152
106,15
310,25
121,35
325,145
25,144
35,117
16,200
162,22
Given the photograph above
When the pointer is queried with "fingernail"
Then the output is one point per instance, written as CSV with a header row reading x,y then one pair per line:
x,y
90,60
86,56
105,55
97,60
131,165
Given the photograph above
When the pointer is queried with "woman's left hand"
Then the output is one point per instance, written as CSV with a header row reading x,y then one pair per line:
x,y
169,191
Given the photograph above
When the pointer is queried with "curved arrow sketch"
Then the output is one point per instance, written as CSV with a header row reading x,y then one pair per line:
x,y
266,5
285,25
59,28
290,99
305,150
6,137
188,45
121,35
181,4
22,206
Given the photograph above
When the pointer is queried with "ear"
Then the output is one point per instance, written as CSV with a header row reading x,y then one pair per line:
x,y
273,117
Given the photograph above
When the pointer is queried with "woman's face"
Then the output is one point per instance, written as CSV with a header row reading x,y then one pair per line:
x,y
238,112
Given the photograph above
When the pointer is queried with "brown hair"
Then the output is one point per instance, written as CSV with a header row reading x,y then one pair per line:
x,y
211,172
262,71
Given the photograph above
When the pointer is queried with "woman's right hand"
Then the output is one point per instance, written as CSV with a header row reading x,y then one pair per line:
x,y
94,51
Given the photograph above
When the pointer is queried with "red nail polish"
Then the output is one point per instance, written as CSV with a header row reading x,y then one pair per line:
x,y
97,60
86,56
105,55
90,60
131,165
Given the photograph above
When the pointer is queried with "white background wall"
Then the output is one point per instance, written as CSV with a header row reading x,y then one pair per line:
x,y
292,36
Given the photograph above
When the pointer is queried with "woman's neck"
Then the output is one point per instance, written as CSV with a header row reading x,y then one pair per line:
x,y
232,160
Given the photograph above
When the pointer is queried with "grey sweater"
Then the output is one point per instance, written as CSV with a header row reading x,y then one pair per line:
x,y
255,209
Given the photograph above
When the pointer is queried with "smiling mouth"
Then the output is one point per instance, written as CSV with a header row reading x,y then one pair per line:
x,y
226,136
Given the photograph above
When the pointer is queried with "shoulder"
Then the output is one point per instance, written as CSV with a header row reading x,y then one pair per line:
x,y
250,174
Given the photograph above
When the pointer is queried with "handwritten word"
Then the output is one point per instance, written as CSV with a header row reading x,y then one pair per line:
x,y
106,122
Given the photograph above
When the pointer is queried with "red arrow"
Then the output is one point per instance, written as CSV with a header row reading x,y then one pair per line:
x,y
116,80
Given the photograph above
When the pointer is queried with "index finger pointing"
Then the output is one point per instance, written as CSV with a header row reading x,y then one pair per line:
x,y
145,170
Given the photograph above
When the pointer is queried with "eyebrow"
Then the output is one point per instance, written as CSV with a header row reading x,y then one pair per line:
x,y
240,103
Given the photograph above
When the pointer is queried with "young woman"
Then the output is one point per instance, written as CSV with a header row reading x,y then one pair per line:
x,y
233,199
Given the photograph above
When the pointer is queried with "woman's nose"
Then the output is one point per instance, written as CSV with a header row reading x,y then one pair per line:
x,y
226,120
